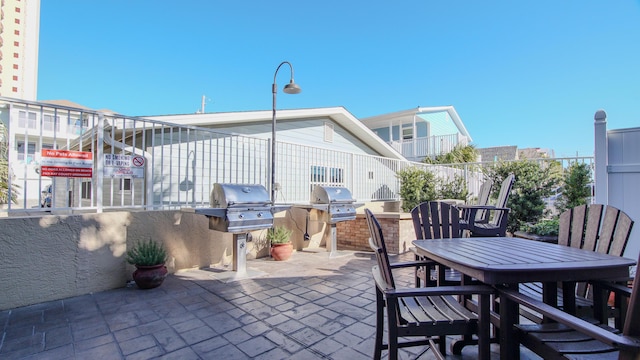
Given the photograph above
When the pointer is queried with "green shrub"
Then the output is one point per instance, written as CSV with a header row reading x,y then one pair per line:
x,y
416,186
147,253
543,227
576,190
456,189
534,181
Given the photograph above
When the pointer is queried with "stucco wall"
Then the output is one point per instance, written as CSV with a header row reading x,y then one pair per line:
x,y
56,256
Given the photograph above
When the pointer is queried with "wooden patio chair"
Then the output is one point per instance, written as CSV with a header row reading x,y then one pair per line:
x,y
436,220
498,214
585,227
429,313
571,337
482,215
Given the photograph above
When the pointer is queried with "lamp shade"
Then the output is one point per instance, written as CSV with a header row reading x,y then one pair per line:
x,y
292,88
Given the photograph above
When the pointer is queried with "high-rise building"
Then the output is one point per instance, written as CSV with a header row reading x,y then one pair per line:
x,y
19,32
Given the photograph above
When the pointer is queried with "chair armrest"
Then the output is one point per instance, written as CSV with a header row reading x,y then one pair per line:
x,y
441,290
582,326
407,264
614,285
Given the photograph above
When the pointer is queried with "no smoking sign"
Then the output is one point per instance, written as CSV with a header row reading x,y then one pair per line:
x,y
137,161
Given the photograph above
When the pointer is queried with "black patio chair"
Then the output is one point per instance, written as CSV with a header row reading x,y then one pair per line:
x,y
431,312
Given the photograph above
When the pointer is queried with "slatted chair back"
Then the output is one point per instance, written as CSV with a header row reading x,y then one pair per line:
x,y
426,313
483,199
376,242
584,227
501,202
575,338
436,220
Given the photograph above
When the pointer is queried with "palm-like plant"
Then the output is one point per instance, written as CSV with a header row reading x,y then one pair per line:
x,y
5,173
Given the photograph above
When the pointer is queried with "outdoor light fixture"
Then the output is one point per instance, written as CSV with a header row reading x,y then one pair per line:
x,y
290,88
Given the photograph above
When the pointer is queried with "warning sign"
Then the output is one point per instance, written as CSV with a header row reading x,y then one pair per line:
x,y
66,163
123,166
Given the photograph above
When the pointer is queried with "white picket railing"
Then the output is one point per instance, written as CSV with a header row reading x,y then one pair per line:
x,y
181,163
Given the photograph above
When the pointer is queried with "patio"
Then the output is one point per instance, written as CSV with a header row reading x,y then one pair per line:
x,y
310,307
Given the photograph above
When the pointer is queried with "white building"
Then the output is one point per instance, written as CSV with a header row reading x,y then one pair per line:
x,y
19,34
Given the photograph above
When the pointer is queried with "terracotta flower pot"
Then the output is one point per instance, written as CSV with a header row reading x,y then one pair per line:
x,y
149,277
281,252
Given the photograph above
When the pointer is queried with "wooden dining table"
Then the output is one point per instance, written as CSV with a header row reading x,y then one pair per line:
x,y
508,261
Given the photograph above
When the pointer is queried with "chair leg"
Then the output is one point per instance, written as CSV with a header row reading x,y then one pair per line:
x,y
442,344
377,355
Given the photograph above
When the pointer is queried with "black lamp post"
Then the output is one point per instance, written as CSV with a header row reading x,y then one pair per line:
x,y
290,88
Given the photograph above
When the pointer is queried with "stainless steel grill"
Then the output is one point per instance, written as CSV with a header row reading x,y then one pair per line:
x,y
335,202
332,204
238,209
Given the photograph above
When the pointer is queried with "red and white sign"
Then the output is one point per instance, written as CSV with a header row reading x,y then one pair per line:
x,y
66,163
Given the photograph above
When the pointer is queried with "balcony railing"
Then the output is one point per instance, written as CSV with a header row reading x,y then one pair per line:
x,y
431,146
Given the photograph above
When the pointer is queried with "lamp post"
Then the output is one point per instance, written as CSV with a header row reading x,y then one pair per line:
x,y
290,88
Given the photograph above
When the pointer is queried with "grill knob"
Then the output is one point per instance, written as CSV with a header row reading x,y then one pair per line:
x,y
241,216
259,214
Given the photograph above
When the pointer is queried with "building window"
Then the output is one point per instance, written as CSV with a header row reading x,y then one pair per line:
x,y
27,119
17,9
328,132
16,43
125,184
86,190
17,21
15,77
76,126
14,89
323,175
15,66
15,55
26,153
50,123
407,131
16,32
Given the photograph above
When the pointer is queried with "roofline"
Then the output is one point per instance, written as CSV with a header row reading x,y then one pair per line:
x,y
424,110
338,114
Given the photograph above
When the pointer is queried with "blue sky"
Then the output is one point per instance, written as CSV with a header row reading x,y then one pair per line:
x,y
525,73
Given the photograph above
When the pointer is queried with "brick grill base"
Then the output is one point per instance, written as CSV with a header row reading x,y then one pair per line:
x,y
397,229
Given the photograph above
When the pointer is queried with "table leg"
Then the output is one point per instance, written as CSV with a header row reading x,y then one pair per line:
x,y
484,327
569,297
509,346
550,295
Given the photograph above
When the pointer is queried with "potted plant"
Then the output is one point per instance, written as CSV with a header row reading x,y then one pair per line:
x,y
280,239
149,258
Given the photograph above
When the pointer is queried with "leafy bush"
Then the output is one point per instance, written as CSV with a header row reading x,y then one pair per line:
x,y
279,235
416,186
147,253
456,189
459,154
543,227
534,181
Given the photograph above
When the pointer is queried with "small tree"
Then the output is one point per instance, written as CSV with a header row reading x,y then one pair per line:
x,y
576,189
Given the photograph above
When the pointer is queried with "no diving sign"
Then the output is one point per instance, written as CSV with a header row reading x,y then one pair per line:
x,y
124,166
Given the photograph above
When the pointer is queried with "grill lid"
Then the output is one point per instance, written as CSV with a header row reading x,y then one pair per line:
x,y
331,195
238,195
